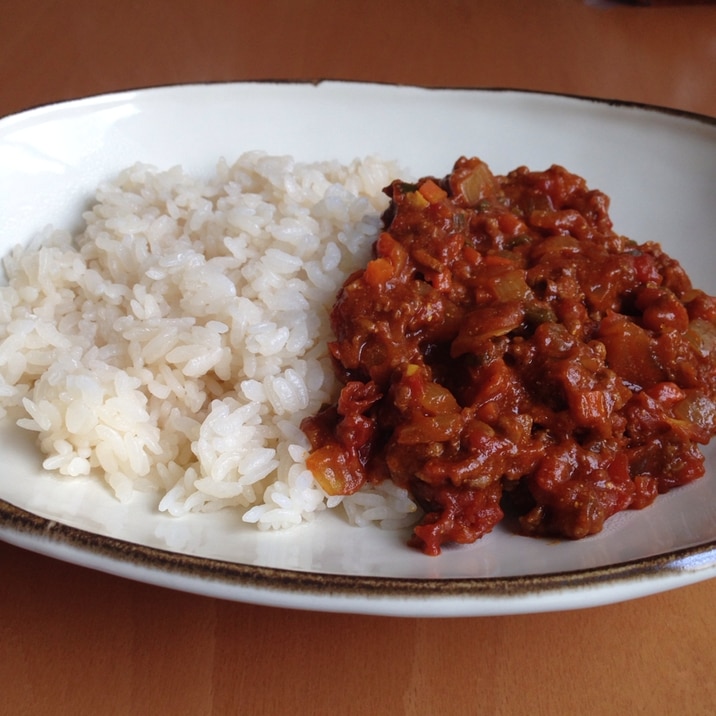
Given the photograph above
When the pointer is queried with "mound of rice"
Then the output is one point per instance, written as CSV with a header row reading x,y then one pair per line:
x,y
176,343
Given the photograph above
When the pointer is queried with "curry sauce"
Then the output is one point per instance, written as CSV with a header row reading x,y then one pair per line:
x,y
507,352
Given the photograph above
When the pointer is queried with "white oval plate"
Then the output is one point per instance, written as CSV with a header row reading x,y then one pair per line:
x,y
658,166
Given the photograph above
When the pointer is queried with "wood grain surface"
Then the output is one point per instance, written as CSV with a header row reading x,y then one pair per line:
x,y
75,641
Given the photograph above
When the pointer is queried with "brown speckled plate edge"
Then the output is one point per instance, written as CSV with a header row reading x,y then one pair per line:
x,y
38,534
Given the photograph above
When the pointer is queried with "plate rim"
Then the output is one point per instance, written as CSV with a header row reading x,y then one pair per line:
x,y
115,95
236,580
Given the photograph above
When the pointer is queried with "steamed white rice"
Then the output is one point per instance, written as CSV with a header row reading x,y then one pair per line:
x,y
178,340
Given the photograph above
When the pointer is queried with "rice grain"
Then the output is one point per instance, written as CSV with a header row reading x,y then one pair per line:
x,y
177,341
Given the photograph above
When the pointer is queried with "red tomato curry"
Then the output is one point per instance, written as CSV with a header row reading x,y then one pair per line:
x,y
506,352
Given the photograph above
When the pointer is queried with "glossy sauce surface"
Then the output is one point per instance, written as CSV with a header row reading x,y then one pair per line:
x,y
507,351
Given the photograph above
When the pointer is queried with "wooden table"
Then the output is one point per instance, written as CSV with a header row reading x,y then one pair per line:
x,y
75,641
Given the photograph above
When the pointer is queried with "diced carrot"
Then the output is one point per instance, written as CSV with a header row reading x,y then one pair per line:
x,y
431,191
472,255
378,272
393,251
511,224
385,244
